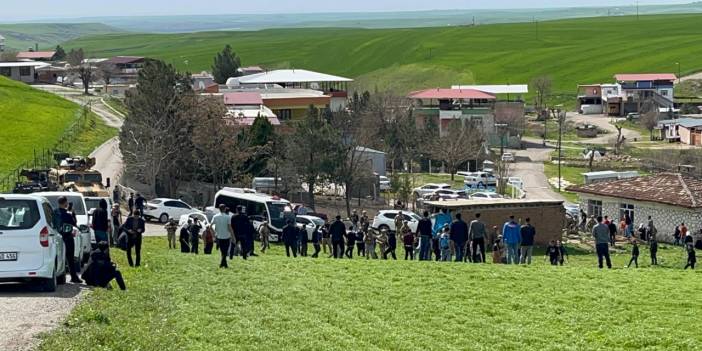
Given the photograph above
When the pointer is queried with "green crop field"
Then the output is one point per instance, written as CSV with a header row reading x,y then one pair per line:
x,y
184,302
572,51
25,35
34,120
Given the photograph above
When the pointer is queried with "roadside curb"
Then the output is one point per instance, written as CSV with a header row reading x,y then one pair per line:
x,y
102,100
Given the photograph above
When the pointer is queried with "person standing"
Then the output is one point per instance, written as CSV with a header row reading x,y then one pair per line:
x,y
350,242
442,219
65,223
477,234
553,253
316,239
445,244
650,229
290,238
527,233
134,225
139,204
391,244
562,252
408,241
685,235
240,226
612,232
101,222
194,230
264,235
369,242
223,233
601,234
691,256
634,254
116,223
185,237
676,236
337,231
171,228
355,220
511,235
326,240
208,239
130,203
459,235
302,240
399,220
424,230
629,231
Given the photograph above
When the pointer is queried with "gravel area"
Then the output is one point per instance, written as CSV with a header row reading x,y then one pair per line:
x,y
26,313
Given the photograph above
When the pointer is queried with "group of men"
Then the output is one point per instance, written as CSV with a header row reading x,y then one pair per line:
x,y
234,234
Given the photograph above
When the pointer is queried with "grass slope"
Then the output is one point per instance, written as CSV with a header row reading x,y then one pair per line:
x,y
571,51
183,302
34,120
48,35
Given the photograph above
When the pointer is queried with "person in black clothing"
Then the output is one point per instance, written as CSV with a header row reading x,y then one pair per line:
x,y
100,270
392,246
337,231
134,226
195,229
302,239
360,245
562,252
634,254
65,223
350,243
612,232
241,227
653,247
553,252
139,203
116,223
691,257
185,237
316,239
424,230
290,238
250,240
101,222
130,203
459,235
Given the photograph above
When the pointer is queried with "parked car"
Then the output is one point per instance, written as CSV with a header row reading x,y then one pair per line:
x,y
310,223
85,233
183,220
488,166
447,194
480,180
31,249
164,209
386,220
485,195
632,116
429,188
384,183
508,157
573,210
516,182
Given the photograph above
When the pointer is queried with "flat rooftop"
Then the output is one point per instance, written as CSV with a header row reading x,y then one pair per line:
x,y
492,203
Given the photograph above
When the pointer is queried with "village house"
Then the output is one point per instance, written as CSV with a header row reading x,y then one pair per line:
x,y
685,130
669,198
44,56
627,94
23,71
243,107
127,67
204,82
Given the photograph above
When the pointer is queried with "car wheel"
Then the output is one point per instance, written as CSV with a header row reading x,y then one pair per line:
x,y
49,285
164,218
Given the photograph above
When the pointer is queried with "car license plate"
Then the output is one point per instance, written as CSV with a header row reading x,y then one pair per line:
x,y
8,256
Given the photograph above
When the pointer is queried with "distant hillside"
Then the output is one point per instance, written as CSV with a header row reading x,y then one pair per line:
x,y
48,35
571,51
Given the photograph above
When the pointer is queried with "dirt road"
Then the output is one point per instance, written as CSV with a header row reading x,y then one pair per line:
x,y
603,122
529,165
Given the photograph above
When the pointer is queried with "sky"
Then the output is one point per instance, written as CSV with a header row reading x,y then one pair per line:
x,y
37,9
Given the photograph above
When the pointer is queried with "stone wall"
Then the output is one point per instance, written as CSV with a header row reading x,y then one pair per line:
x,y
665,217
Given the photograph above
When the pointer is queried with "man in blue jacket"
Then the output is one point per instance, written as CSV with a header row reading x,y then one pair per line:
x,y
441,220
511,234
459,235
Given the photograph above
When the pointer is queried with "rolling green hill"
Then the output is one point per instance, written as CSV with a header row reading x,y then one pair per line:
x,y
48,35
571,51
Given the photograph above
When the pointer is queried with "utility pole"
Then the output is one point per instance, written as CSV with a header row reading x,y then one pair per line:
x,y
679,78
536,24
559,114
637,10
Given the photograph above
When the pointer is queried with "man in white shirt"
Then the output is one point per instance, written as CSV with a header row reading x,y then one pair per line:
x,y
221,224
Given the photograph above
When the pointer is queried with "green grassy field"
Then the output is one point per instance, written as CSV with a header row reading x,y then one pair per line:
x,y
573,51
35,120
184,302
24,35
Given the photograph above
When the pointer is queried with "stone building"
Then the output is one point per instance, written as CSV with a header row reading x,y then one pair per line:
x,y
669,198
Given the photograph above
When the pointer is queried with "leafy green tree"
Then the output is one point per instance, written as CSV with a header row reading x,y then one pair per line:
x,y
260,135
60,53
226,65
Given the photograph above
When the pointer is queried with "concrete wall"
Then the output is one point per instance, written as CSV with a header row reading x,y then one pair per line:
x,y
665,217
684,133
15,75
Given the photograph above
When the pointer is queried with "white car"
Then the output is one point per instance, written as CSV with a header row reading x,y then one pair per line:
x,y
164,209
508,157
93,202
429,189
447,194
82,241
485,195
384,183
310,223
480,180
183,220
516,182
386,220
31,249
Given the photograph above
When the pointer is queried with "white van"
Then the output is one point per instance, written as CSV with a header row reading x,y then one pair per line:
x,y
30,248
83,246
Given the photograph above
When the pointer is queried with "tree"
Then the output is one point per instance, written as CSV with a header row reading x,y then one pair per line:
x,y
8,56
155,135
619,141
259,135
84,70
542,87
60,54
459,145
226,65
107,71
649,117
393,128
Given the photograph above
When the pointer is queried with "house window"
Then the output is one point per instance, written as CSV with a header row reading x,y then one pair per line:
x,y
5,71
664,92
627,209
284,115
25,71
594,208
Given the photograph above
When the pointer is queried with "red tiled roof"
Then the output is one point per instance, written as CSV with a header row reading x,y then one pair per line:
x,y
665,188
243,98
644,77
33,55
451,94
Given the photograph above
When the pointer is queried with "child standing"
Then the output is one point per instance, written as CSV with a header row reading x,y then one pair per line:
x,y
445,245
497,254
562,252
553,253
408,240
691,257
634,254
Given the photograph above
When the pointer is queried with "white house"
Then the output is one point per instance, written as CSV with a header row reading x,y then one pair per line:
x,y
23,71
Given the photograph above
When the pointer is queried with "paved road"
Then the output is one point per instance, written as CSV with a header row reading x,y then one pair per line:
x,y
529,166
111,118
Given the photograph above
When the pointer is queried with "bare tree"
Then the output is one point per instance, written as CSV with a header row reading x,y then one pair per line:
x,y
393,128
542,87
106,72
649,116
619,141
461,144
8,56
80,67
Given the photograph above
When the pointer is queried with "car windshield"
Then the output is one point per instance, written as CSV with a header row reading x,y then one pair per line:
x,y
77,202
92,178
72,177
279,213
318,221
18,214
415,216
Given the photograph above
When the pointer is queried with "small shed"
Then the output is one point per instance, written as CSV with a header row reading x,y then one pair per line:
x,y
375,158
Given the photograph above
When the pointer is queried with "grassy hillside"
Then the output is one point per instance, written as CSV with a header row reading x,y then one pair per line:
x,y
184,302
571,51
35,120
48,35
